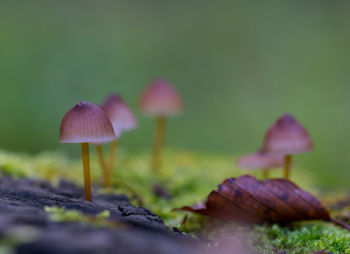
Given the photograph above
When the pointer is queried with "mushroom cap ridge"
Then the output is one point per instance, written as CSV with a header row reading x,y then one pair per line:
x,y
119,113
86,123
287,136
161,99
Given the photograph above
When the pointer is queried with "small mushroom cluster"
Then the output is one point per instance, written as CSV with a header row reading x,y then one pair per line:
x,y
87,123
283,139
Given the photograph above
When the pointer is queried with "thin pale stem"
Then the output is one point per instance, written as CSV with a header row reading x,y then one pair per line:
x,y
113,150
287,166
86,167
158,143
105,170
265,174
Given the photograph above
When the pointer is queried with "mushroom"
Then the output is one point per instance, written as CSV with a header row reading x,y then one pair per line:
x,y
262,161
86,123
286,137
160,100
122,120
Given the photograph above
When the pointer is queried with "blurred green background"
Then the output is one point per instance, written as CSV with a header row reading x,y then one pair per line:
x,y
238,64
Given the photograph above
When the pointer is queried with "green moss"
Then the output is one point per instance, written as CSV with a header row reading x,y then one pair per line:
x,y
303,237
300,238
60,214
14,237
189,177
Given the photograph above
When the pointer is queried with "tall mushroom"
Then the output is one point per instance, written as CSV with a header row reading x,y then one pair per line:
x,y
261,161
86,123
287,137
122,119
160,100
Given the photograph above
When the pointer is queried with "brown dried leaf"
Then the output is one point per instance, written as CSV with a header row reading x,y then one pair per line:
x,y
246,199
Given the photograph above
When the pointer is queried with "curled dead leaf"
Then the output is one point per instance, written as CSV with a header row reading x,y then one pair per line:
x,y
246,199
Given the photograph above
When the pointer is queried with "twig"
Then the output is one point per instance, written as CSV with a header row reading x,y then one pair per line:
x,y
341,223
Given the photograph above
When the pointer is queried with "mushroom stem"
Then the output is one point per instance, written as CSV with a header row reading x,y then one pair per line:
x,y
86,167
113,148
158,143
105,169
265,174
287,165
